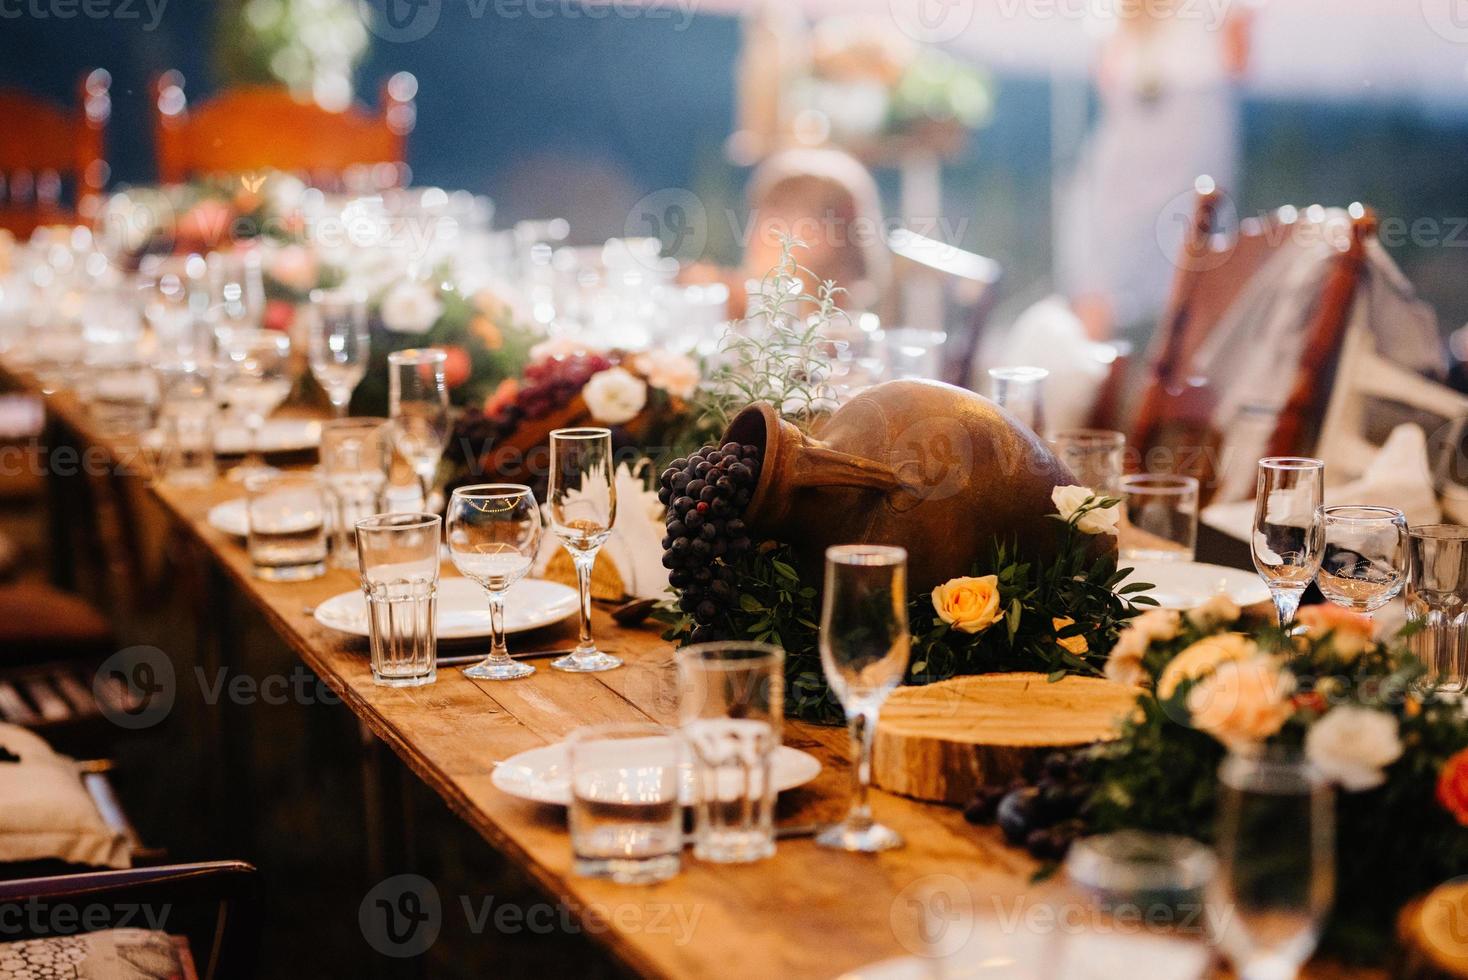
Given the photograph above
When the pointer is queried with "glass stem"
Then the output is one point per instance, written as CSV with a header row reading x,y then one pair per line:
x,y
498,652
863,727
254,460
1286,604
583,562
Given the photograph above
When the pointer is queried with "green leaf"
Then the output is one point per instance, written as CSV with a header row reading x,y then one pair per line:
x,y
750,604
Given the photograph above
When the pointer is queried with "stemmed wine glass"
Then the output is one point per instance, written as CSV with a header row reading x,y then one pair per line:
x,y
1288,536
1365,561
339,343
864,650
418,404
583,508
1276,855
250,377
494,532
236,291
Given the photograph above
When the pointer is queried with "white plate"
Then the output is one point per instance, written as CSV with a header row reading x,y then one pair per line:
x,y
276,436
463,608
542,774
230,517
1185,584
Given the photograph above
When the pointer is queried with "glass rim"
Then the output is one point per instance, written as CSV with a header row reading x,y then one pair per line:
x,y
1108,437
1291,463
724,654
493,491
355,422
406,521
1019,372
417,356
869,555
1380,514
1167,483
1137,860
1276,771
581,432
1439,532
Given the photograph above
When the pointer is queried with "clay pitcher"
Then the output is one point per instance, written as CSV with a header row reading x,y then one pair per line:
x,y
937,469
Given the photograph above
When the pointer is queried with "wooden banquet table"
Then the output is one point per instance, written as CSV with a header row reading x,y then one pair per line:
x,y
808,912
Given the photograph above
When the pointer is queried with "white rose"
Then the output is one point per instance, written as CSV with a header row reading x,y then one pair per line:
x,y
410,307
673,372
615,396
1102,520
1352,745
1124,664
1217,610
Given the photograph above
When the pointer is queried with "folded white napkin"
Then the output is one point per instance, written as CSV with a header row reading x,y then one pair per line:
x,y
1399,476
635,544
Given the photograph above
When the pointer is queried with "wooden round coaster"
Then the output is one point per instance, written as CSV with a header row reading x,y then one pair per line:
x,y
941,742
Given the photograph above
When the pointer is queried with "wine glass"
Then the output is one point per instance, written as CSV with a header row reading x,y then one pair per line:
x,y
1020,392
236,291
1365,561
494,533
418,403
251,381
1276,853
339,343
1288,536
864,650
583,508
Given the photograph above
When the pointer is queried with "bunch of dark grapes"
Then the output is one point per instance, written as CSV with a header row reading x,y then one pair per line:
x,y
552,383
1044,816
705,495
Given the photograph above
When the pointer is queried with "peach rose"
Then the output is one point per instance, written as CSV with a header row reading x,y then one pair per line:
x,y
1242,702
1452,787
1203,658
968,604
1350,631
668,370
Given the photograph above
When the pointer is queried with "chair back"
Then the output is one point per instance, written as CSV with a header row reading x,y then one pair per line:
x,y
264,127
48,150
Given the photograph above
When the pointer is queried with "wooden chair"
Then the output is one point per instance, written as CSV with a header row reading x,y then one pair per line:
x,y
45,149
1213,270
260,127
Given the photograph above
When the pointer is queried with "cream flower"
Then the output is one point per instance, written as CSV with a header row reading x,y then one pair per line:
x,y
1202,658
668,370
1124,663
1102,520
1242,702
1351,746
293,266
410,307
615,396
968,604
1217,610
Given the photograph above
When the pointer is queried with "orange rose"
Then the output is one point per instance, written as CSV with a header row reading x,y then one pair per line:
x,y
1452,787
968,604
457,367
1073,644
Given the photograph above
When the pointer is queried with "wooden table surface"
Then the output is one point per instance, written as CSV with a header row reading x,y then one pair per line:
x,y
808,912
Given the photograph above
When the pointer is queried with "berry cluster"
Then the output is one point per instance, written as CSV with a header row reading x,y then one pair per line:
x,y
706,494
548,385
1044,817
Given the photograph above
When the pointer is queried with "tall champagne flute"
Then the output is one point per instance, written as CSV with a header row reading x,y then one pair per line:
x,y
418,405
494,533
1364,564
864,650
250,379
583,508
1288,536
1276,855
339,343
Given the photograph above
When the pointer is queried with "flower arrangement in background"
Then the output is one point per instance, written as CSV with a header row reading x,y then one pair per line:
x,y
310,46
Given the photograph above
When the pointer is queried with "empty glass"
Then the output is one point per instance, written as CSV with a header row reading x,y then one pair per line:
x,y
236,291
287,515
1437,602
625,818
418,403
251,381
1365,559
339,343
731,704
1097,457
583,508
1020,392
1276,855
864,649
355,455
1289,533
1161,518
494,534
187,428
399,556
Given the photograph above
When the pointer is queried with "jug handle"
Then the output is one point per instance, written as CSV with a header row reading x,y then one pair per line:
x,y
818,466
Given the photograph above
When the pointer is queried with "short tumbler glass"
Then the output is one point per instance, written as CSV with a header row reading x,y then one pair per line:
x,y
1161,518
1437,602
625,815
287,535
399,556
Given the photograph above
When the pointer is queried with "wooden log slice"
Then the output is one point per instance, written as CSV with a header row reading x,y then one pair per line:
x,y
941,742
1433,935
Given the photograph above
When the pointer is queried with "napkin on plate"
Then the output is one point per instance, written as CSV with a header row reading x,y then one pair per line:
x,y
635,545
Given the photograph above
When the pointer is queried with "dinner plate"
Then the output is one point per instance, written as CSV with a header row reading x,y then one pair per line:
x,y
543,774
230,517
463,608
276,436
1185,584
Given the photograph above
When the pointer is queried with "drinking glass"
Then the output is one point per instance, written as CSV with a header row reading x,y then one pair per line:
x,y
236,291
124,394
912,352
1437,602
494,534
1276,854
1289,533
1161,518
355,455
418,403
1095,456
187,427
1365,559
625,818
339,343
1020,392
399,557
864,649
287,517
731,705
583,508
250,379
